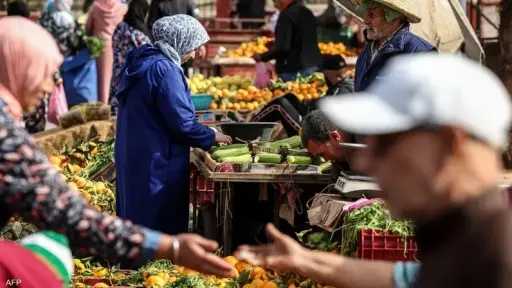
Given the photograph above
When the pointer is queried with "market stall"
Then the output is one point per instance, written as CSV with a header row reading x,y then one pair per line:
x,y
218,170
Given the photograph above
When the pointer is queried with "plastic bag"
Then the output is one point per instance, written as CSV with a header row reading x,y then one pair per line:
x,y
57,104
263,74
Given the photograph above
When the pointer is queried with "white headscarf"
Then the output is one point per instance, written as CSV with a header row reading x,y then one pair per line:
x,y
178,35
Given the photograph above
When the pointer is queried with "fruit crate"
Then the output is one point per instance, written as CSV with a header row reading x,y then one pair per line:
x,y
378,245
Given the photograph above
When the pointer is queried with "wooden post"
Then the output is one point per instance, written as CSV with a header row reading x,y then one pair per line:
x,y
223,8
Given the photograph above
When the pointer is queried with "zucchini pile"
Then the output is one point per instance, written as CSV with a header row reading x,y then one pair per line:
x,y
240,153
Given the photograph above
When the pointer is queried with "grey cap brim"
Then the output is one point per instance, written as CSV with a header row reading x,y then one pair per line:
x,y
365,114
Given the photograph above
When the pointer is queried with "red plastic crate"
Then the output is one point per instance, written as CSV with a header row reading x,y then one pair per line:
x,y
377,245
204,185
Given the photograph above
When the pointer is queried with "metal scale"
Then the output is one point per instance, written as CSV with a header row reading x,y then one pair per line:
x,y
354,185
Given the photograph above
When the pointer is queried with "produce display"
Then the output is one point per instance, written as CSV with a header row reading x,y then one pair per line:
x,y
80,163
305,88
237,93
260,45
266,153
162,273
331,48
230,92
249,49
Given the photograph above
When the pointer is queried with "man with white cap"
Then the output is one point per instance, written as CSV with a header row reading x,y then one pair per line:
x,y
387,35
435,127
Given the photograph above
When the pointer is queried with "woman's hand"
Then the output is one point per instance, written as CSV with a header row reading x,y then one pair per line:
x,y
284,254
196,252
222,138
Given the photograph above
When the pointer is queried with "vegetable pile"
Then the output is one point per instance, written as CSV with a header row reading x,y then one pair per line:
x,y
162,273
82,162
374,216
269,153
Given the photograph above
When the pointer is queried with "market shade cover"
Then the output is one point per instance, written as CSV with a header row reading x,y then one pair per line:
x,y
444,24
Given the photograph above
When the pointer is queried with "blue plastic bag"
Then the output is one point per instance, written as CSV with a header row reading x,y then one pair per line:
x,y
80,79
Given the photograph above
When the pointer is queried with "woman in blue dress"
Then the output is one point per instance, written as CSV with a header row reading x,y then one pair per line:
x,y
156,126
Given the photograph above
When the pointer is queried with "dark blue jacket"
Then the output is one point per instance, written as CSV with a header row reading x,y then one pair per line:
x,y
403,42
156,126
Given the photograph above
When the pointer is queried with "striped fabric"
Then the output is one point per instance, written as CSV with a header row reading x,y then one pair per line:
x,y
53,248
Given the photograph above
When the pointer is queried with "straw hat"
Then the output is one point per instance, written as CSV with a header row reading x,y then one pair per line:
x,y
404,7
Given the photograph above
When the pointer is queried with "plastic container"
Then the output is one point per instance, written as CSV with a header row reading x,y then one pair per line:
x,y
201,101
377,245
248,131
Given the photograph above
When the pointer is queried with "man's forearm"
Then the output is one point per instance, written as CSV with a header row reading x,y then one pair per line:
x,y
344,272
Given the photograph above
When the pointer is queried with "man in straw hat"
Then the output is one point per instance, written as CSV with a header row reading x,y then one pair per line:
x,y
435,127
387,35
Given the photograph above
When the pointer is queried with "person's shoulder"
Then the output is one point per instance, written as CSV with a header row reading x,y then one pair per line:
x,y
415,43
165,68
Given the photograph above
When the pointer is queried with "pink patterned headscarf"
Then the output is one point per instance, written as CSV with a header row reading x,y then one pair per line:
x,y
28,56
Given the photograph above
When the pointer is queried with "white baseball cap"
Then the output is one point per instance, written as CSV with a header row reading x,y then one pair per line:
x,y
427,89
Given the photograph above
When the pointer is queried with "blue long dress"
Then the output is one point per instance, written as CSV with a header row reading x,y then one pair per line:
x,y
156,126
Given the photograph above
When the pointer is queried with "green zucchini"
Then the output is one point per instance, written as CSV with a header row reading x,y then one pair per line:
x,y
270,158
291,143
230,146
219,154
301,160
240,159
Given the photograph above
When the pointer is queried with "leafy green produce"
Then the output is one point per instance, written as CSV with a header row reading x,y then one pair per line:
x,y
321,240
95,45
374,216
104,157
189,282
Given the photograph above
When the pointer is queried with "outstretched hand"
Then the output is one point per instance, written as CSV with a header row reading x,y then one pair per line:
x,y
196,252
283,254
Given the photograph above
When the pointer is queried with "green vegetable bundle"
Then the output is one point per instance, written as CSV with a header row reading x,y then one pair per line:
x,y
374,216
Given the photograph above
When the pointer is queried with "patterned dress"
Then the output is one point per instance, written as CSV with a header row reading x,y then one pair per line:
x,y
31,188
125,38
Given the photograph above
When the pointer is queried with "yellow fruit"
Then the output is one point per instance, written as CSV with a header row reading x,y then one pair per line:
x,y
258,273
79,266
270,284
230,105
154,282
258,283
214,106
241,266
79,285
100,272
236,106
231,260
100,285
